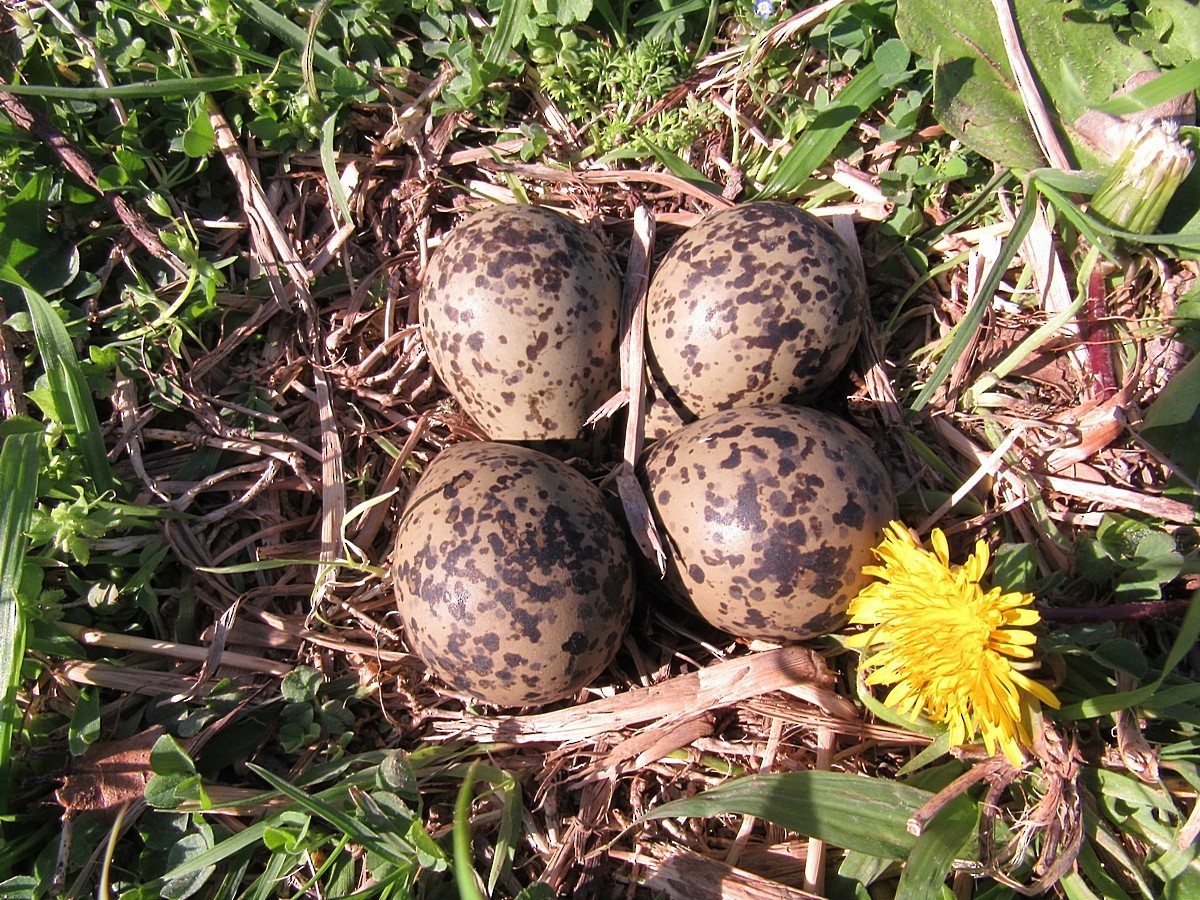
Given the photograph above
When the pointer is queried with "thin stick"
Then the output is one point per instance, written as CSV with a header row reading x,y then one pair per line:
x,y
1117,612
987,467
960,785
94,637
748,822
814,862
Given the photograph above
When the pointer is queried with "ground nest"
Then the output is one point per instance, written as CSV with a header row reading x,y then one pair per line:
x,y
315,409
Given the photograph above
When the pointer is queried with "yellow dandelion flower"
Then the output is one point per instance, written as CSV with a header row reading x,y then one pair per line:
x,y
948,645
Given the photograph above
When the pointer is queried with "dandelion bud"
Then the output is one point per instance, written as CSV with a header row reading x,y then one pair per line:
x,y
1151,165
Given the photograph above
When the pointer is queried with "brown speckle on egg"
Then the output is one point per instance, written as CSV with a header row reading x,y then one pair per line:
x,y
520,312
760,303
513,581
769,513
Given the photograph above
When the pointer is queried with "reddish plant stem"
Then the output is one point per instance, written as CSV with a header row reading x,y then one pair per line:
x,y
1119,612
1095,335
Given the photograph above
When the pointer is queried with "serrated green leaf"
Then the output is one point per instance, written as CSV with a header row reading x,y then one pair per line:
x,y
869,815
1124,655
1166,87
975,94
1153,693
1172,422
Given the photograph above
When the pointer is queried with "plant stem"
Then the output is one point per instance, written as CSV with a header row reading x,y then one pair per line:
x,y
1119,612
1095,334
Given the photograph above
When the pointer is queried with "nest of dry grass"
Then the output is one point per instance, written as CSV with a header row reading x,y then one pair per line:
x,y
347,410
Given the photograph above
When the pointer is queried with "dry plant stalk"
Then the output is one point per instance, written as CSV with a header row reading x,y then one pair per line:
x,y
684,875
682,697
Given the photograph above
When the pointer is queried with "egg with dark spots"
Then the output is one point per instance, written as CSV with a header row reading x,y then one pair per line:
x,y
520,311
760,303
772,546
513,580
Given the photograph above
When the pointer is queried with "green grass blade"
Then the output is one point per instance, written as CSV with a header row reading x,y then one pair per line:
x,y
965,330
820,139
287,31
1181,80
509,832
209,40
681,169
144,90
310,48
359,833
68,386
503,38
1153,693
329,164
465,875
848,811
19,461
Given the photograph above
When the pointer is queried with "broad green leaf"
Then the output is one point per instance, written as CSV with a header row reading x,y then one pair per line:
x,y
869,815
199,138
1172,422
975,96
939,845
167,757
19,460
301,685
188,847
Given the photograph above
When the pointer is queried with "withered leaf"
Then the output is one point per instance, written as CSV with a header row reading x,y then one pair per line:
x,y
109,774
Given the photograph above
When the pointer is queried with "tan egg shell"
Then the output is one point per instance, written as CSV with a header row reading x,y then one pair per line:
x,y
520,312
759,303
770,513
513,581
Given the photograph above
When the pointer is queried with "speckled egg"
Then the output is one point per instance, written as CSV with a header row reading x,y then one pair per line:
x,y
769,515
514,582
759,303
520,311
